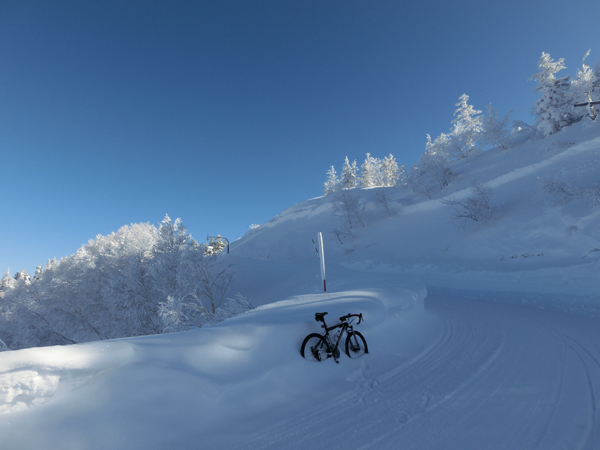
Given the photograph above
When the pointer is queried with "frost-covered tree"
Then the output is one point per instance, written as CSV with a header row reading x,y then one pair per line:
x,y
495,131
111,287
477,207
389,171
332,181
466,129
370,172
435,160
349,210
554,108
7,283
417,183
349,175
587,81
402,176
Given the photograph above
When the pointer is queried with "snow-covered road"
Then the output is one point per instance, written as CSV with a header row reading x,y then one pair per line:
x,y
496,376
461,375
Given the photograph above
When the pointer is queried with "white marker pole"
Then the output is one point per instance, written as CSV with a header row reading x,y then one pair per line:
x,y
322,257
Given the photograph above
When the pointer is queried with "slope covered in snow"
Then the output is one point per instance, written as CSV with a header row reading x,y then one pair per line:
x,y
455,360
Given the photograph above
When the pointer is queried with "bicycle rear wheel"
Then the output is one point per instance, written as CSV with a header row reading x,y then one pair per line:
x,y
314,348
356,345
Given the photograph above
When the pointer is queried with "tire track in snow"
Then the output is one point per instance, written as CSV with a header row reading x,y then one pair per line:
x,y
498,377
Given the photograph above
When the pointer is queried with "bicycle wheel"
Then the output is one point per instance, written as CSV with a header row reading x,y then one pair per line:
x,y
356,346
314,348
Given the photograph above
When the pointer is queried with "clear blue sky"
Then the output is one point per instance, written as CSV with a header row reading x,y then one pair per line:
x,y
224,113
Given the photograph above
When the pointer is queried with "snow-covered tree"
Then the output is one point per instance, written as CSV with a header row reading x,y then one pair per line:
x,y
349,175
402,176
370,172
7,283
435,159
390,171
587,81
215,246
477,207
416,181
554,108
332,181
495,131
466,129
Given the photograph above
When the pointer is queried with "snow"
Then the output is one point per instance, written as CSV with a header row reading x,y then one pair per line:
x,y
482,336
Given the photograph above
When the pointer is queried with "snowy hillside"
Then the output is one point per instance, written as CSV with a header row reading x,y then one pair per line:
x,y
455,361
532,244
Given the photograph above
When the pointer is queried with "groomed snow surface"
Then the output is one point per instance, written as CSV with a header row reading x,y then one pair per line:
x,y
480,337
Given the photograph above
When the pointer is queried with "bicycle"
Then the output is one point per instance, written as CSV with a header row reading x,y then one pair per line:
x,y
317,347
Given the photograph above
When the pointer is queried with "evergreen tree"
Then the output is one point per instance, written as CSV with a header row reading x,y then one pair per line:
x,y
370,172
390,171
554,108
466,129
7,283
349,177
332,181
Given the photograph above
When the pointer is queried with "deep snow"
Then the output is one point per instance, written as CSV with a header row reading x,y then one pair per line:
x,y
458,357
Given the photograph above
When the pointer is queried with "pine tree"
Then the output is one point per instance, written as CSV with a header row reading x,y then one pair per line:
x,y
370,172
332,181
466,129
390,171
349,178
7,283
553,109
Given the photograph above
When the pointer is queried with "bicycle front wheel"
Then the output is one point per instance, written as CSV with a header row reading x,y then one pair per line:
x,y
314,348
356,346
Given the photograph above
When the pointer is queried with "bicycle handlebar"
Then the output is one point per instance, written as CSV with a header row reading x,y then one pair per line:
x,y
344,318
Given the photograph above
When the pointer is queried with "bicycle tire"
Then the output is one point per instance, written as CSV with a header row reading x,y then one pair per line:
x,y
313,347
356,345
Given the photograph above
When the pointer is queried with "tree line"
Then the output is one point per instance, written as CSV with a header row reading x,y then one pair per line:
x,y
472,132
137,281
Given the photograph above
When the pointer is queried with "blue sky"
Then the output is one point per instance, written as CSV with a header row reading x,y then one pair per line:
x,y
226,113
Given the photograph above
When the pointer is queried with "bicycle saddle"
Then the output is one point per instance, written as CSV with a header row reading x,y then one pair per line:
x,y
320,317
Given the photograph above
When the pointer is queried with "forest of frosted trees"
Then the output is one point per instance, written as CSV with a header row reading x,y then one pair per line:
x,y
140,280
473,132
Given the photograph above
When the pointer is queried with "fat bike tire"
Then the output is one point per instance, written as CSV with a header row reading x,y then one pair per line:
x,y
313,348
356,345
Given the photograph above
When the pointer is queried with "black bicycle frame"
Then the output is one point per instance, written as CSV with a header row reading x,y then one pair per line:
x,y
343,325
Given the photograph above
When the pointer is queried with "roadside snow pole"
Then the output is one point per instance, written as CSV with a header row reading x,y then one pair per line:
x,y
322,258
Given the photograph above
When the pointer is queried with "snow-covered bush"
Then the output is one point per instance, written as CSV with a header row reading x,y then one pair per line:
x,y
182,314
495,132
564,188
561,189
476,207
435,160
592,195
417,182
